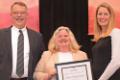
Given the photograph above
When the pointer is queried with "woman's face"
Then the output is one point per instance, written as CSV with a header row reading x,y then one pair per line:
x,y
62,39
103,17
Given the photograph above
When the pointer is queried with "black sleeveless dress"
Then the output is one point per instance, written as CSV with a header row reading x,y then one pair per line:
x,y
101,57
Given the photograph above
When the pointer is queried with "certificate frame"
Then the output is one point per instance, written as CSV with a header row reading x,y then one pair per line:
x,y
77,70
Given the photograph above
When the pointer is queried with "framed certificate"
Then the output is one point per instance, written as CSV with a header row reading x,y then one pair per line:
x,y
78,70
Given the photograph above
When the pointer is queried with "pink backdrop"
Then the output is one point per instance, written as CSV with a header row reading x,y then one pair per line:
x,y
33,18
92,6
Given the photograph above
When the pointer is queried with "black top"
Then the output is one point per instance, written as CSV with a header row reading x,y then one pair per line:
x,y
101,57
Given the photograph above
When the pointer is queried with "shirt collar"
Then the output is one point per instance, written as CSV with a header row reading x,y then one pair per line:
x,y
16,29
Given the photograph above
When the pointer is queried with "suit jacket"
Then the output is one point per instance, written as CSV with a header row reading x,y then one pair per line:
x,y
36,48
48,61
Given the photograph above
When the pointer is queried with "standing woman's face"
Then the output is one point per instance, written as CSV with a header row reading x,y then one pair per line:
x,y
103,17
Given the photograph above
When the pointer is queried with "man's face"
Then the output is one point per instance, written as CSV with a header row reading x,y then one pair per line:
x,y
19,15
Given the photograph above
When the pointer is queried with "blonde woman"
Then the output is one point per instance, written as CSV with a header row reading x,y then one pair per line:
x,y
62,47
105,47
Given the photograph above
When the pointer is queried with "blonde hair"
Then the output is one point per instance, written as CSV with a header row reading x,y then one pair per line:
x,y
74,46
19,3
97,27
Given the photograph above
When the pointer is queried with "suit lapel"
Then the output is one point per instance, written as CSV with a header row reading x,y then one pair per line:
x,y
31,40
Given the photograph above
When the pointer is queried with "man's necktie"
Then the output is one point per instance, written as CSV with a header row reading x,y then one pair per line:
x,y
20,55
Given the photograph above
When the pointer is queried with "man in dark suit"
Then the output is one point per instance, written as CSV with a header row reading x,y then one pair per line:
x,y
20,47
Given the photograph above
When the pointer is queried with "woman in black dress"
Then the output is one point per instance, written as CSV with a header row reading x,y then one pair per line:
x,y
105,45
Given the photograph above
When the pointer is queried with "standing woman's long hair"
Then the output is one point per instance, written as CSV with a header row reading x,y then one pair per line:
x,y
97,27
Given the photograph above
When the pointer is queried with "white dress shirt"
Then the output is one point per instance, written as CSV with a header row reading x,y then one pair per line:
x,y
114,63
15,33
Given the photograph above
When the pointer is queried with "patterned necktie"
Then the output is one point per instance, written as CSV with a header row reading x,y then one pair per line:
x,y
20,55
